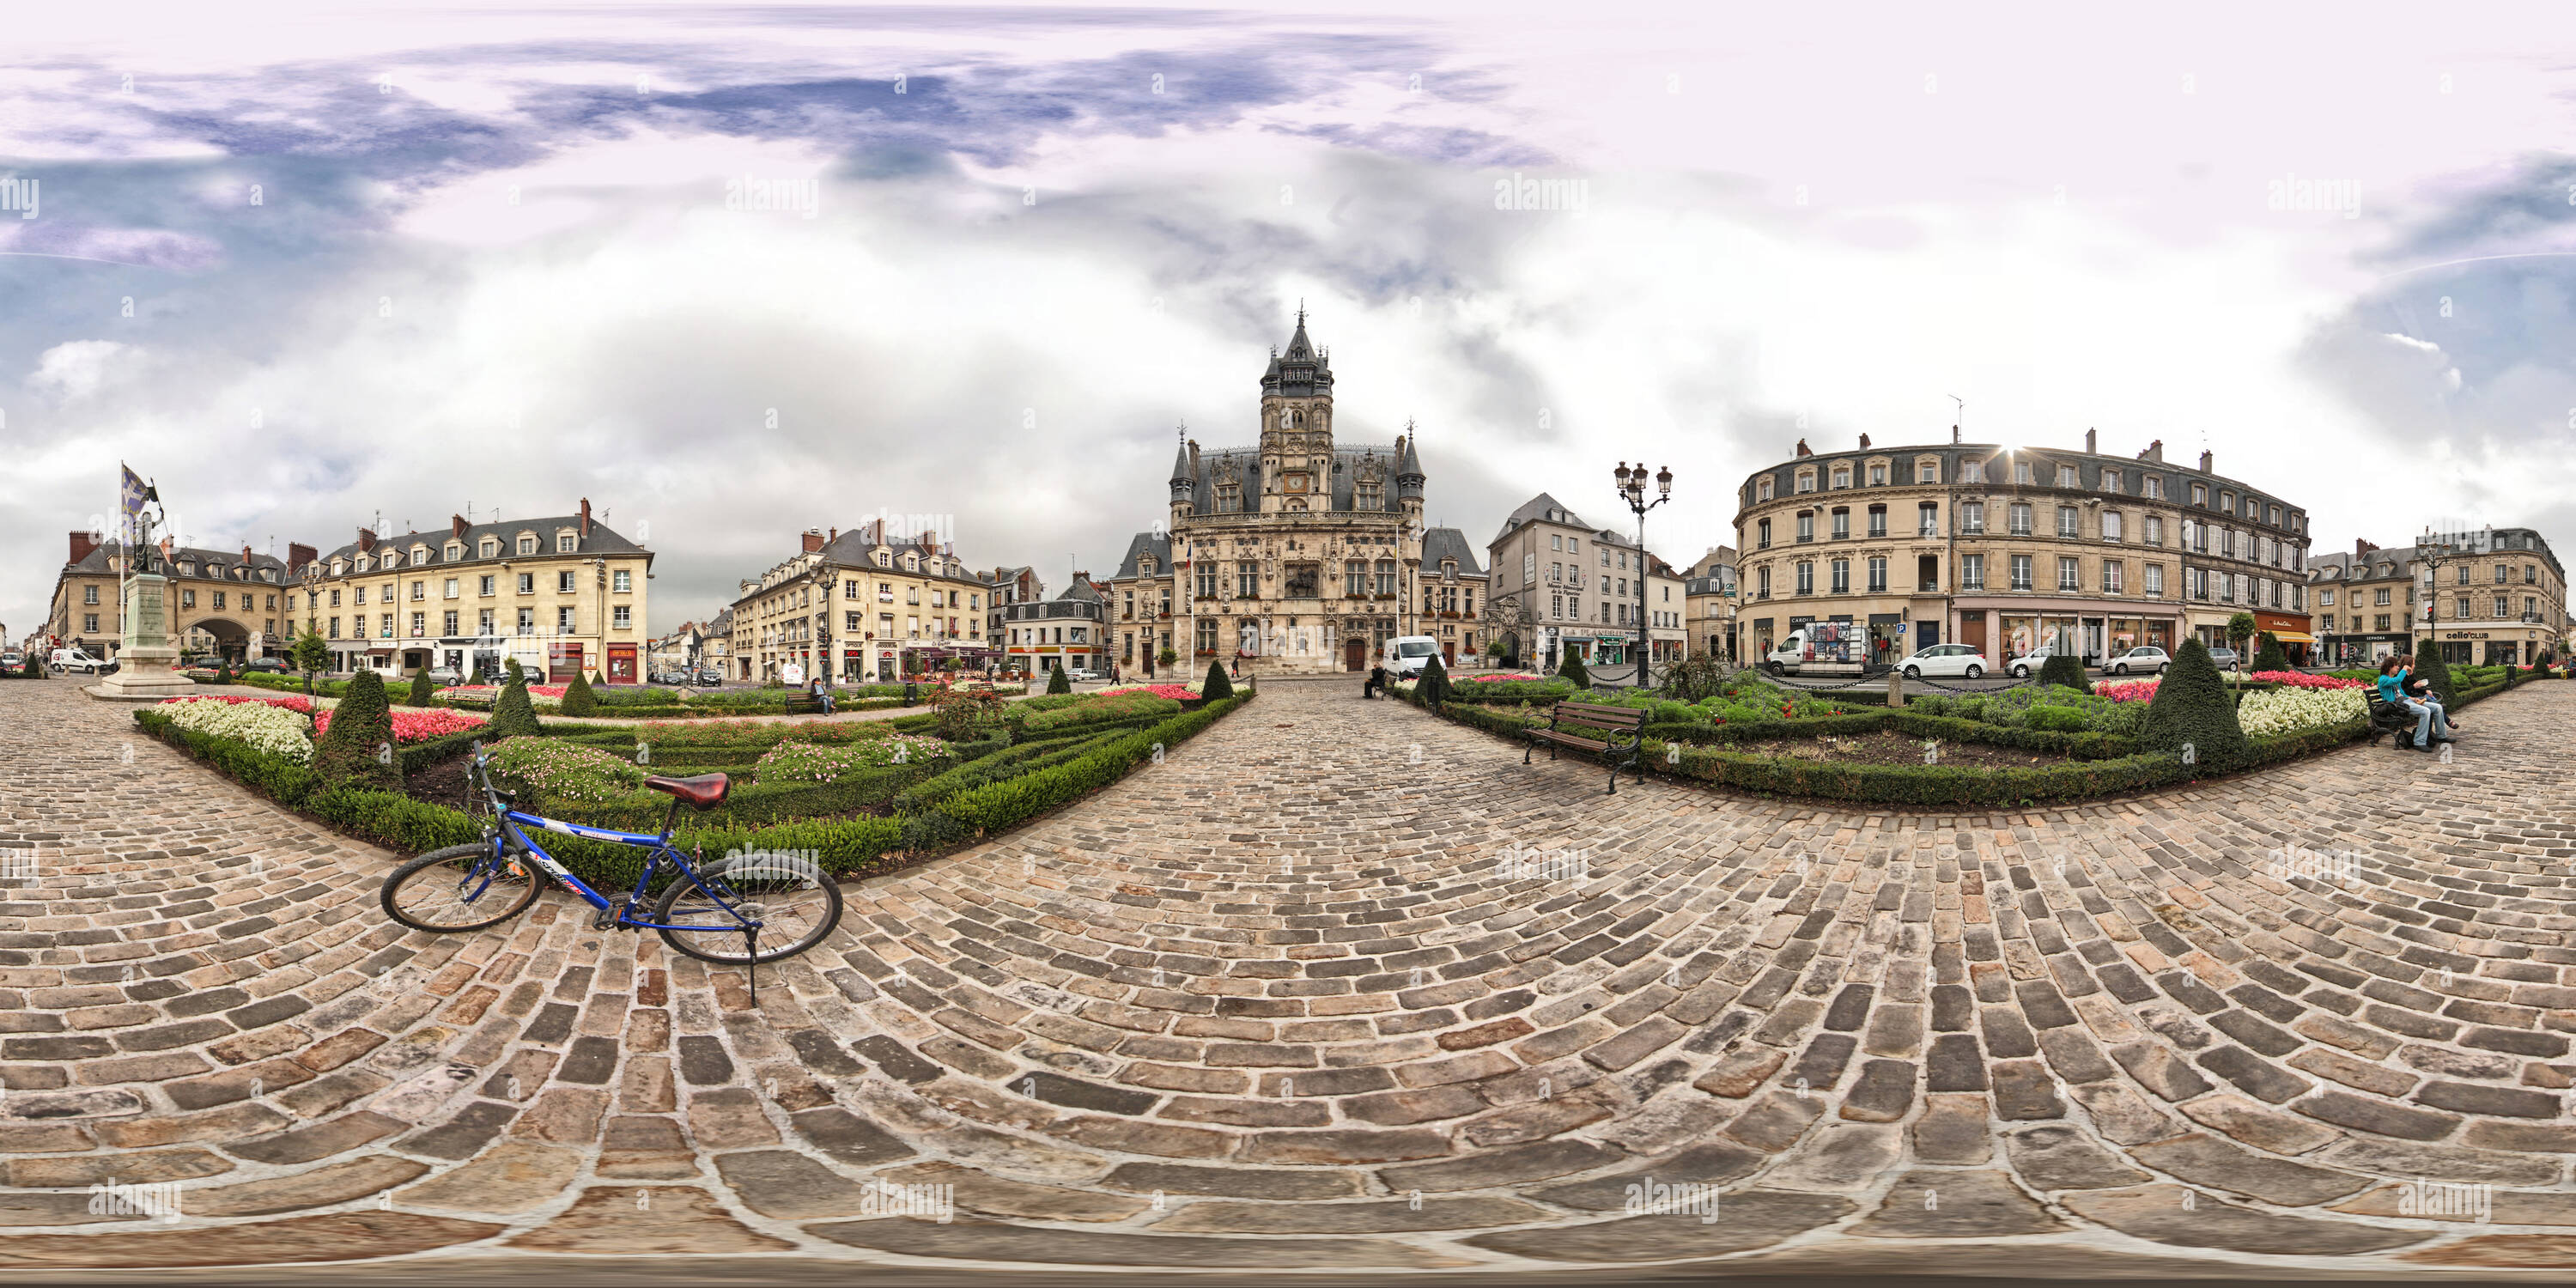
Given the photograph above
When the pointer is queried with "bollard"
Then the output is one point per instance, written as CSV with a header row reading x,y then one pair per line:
x,y
1895,689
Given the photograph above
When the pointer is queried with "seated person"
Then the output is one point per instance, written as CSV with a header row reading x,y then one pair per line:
x,y
2431,724
1376,682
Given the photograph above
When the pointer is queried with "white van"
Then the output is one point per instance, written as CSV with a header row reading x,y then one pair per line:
x,y
1820,648
73,659
1406,655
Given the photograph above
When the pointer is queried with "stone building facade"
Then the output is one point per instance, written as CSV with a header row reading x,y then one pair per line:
x,y
1301,554
238,604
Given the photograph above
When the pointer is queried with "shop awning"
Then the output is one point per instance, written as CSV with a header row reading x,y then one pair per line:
x,y
2294,637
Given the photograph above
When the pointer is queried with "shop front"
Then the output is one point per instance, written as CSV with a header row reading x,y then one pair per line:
x,y
2004,629
621,663
2292,631
563,661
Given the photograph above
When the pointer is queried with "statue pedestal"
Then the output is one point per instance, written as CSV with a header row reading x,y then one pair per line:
x,y
144,662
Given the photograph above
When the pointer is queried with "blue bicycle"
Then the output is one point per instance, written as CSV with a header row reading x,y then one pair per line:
x,y
746,909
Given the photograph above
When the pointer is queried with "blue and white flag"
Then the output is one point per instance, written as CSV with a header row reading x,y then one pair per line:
x,y
130,494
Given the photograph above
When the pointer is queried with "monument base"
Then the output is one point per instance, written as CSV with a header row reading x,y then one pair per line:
x,y
143,674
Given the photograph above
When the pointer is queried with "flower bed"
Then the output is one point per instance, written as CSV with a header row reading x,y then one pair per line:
x,y
490,692
2303,680
262,726
807,762
416,724
559,770
2289,710
1176,692
299,705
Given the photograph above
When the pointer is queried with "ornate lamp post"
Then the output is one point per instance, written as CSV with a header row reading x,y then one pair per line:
x,y
1632,489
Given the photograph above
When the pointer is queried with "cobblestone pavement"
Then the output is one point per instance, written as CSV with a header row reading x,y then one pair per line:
x,y
1341,987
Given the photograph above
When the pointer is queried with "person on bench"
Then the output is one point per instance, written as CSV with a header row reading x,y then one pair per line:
x,y
1376,682
2431,724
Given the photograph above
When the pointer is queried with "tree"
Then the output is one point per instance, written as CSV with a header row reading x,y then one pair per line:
x,y
1433,686
512,714
2240,628
2193,709
578,699
1217,685
1056,681
2066,669
1572,669
2436,673
311,653
516,671
354,751
1168,657
420,688
223,670
35,668
2269,653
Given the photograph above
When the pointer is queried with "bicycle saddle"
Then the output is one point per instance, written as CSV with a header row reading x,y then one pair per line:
x,y
700,792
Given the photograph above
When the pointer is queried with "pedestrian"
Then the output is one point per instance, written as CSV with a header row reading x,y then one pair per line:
x,y
1237,668
823,694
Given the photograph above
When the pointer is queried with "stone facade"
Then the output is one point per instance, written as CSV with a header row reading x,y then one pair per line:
x,y
219,601
1300,555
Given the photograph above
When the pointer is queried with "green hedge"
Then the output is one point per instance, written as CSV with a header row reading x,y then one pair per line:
x,y
750,804
994,806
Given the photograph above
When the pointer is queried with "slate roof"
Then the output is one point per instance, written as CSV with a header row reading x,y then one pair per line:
x,y
1536,509
95,562
1243,466
1448,543
1157,544
601,541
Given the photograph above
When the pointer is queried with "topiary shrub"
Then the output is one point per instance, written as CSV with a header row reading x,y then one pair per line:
x,y
35,668
2436,673
578,698
1056,681
420,689
353,753
512,714
2271,656
1218,684
2066,669
514,671
2192,708
1572,668
223,670
2055,719
1433,687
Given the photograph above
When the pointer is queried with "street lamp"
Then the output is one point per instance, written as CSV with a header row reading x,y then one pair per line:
x,y
1632,489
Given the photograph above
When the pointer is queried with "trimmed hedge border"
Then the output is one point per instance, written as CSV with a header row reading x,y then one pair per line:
x,y
2105,764
846,847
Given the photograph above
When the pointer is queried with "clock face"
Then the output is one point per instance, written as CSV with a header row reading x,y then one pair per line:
x,y
1296,482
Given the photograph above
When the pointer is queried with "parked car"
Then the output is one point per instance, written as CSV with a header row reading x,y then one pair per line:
x,y
709,677
2223,657
1945,659
445,675
2028,663
1078,674
271,665
2145,658
12,662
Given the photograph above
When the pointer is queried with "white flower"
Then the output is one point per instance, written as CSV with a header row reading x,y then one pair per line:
x,y
2274,712
274,730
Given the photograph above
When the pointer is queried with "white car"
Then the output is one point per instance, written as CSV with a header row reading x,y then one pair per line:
x,y
1945,659
72,659
2028,663
2144,658
1079,674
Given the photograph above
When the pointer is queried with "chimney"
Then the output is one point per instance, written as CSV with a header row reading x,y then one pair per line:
x,y
456,526
2155,452
299,554
2204,462
1954,433
1194,459
927,540
1803,449
2090,447
82,544
366,541
245,554
585,518
836,535
1864,442
813,540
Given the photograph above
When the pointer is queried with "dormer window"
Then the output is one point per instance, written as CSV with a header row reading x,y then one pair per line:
x,y
527,543
393,558
884,559
912,563
187,570
1449,569
1842,476
455,551
1229,498
1372,495
566,542
1878,475
1145,565
336,568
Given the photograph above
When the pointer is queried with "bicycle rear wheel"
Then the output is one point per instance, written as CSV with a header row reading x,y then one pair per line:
x,y
796,904
457,889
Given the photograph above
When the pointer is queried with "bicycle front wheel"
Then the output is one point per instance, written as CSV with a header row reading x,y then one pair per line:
x,y
459,888
795,903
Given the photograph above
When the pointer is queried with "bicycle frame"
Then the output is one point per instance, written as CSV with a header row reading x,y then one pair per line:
x,y
514,825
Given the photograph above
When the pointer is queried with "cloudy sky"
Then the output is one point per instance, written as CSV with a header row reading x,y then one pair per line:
x,y
734,272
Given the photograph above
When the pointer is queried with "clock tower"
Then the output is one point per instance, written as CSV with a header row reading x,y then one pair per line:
x,y
1297,428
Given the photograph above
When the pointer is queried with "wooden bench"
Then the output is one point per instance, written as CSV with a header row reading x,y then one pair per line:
x,y
1613,732
801,702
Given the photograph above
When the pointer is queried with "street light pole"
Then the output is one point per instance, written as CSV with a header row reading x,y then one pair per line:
x,y
1632,489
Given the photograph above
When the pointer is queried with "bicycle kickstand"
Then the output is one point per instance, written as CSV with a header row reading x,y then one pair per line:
x,y
751,960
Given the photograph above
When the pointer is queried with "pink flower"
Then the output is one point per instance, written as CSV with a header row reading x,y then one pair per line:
x,y
416,724
2303,680
300,706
